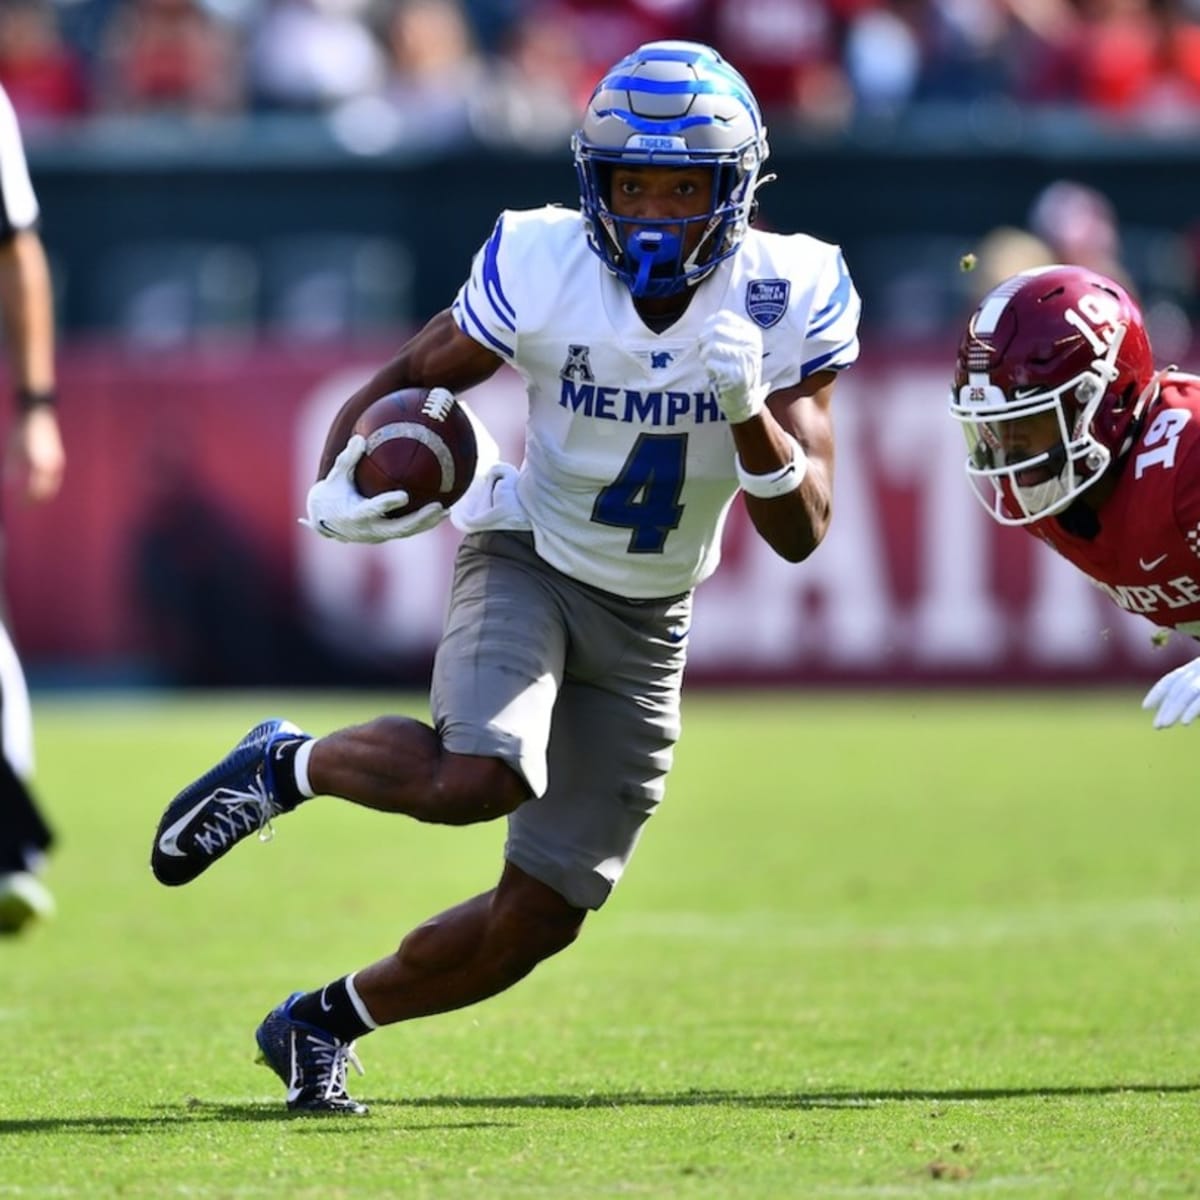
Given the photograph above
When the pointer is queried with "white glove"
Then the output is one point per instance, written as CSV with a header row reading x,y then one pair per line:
x,y
491,502
336,508
1176,695
731,349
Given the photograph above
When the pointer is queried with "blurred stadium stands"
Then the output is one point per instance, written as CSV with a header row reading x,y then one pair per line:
x,y
164,292
270,225
256,133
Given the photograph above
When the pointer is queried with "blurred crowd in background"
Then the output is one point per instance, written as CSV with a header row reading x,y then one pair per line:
x,y
419,77
405,70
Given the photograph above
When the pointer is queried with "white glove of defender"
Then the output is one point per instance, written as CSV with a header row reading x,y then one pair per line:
x,y
336,508
731,349
1176,696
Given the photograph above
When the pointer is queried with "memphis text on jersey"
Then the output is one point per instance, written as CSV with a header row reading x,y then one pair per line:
x,y
649,408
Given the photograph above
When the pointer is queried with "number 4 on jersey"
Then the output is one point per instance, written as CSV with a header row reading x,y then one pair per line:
x,y
644,498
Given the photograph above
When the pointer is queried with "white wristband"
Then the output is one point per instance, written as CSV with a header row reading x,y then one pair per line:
x,y
775,483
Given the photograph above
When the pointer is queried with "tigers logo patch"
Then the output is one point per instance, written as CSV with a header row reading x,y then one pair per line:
x,y
767,300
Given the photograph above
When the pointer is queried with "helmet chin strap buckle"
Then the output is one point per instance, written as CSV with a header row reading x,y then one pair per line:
x,y
1089,388
648,248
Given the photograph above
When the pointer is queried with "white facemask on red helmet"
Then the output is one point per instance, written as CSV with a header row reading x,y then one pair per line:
x,y
1062,340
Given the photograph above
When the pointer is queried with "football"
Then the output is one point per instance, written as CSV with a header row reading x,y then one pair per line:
x,y
419,440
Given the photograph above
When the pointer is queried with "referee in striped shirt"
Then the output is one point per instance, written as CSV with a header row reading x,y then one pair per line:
x,y
36,452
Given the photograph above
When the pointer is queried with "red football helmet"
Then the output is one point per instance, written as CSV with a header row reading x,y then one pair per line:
x,y
1056,340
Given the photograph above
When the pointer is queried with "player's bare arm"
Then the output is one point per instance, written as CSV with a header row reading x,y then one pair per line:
x,y
795,523
440,355
26,301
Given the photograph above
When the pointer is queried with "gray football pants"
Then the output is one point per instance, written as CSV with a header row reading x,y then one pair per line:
x,y
577,690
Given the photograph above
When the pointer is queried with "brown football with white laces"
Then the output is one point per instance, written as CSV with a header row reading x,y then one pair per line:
x,y
419,440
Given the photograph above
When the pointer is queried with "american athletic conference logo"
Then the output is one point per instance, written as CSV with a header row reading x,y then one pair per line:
x,y
767,300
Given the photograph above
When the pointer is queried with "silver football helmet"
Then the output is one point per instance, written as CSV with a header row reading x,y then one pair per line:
x,y
670,104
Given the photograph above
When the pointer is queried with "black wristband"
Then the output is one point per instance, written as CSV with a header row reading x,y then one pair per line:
x,y
30,398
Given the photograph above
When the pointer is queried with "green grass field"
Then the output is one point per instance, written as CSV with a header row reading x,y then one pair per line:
x,y
908,946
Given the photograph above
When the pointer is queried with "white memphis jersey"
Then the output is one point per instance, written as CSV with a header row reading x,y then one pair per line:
x,y
629,462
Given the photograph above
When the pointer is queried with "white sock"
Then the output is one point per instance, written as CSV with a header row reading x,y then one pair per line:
x,y
300,768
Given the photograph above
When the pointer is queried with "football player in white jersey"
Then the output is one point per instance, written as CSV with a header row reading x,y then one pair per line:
x,y
672,355
27,312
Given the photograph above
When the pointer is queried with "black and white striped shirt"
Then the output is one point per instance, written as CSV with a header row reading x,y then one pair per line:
x,y
18,204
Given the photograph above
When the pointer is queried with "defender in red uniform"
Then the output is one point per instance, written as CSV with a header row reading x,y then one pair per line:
x,y
1072,432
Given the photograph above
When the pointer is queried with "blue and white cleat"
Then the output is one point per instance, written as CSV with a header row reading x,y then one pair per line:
x,y
233,800
310,1061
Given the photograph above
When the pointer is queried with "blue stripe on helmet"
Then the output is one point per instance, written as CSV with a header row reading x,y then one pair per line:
x,y
675,87
654,124
730,84
695,53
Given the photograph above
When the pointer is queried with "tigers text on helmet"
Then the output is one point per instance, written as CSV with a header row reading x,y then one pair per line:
x,y
670,104
1064,344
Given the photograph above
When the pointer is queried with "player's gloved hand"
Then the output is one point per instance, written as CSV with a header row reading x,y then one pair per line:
x,y
731,350
1176,696
491,502
336,508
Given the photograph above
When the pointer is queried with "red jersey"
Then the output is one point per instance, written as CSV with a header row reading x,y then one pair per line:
x,y
1147,553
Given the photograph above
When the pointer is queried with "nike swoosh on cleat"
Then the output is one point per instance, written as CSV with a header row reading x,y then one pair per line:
x,y
325,1007
1149,566
169,842
293,1092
